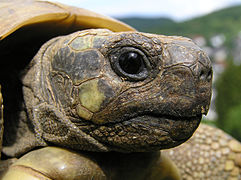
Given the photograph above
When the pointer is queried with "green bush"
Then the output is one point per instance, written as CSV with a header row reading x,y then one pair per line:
x,y
233,125
228,101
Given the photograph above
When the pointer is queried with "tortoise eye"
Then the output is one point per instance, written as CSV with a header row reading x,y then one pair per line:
x,y
130,63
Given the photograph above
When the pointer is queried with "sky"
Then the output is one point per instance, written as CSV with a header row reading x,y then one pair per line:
x,y
178,10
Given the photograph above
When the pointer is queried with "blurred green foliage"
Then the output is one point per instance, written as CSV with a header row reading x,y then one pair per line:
x,y
225,21
228,101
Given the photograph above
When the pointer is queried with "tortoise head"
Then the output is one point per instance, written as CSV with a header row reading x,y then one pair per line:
x,y
130,91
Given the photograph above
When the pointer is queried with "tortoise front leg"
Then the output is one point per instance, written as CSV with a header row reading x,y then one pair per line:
x,y
54,163
57,163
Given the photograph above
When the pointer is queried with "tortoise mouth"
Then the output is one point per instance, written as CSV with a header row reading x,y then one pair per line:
x,y
148,132
179,127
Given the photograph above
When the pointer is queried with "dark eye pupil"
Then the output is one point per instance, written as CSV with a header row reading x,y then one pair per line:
x,y
131,62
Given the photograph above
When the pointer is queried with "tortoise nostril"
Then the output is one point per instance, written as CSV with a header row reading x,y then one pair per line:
x,y
209,75
203,68
205,74
202,75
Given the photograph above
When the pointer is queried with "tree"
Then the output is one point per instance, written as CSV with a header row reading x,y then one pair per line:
x,y
228,101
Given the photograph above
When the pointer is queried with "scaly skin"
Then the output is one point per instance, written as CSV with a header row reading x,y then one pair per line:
x,y
210,154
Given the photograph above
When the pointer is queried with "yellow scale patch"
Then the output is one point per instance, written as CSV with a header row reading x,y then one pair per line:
x,y
81,43
90,98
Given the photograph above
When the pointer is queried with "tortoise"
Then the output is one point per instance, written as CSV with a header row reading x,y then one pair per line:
x,y
89,97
